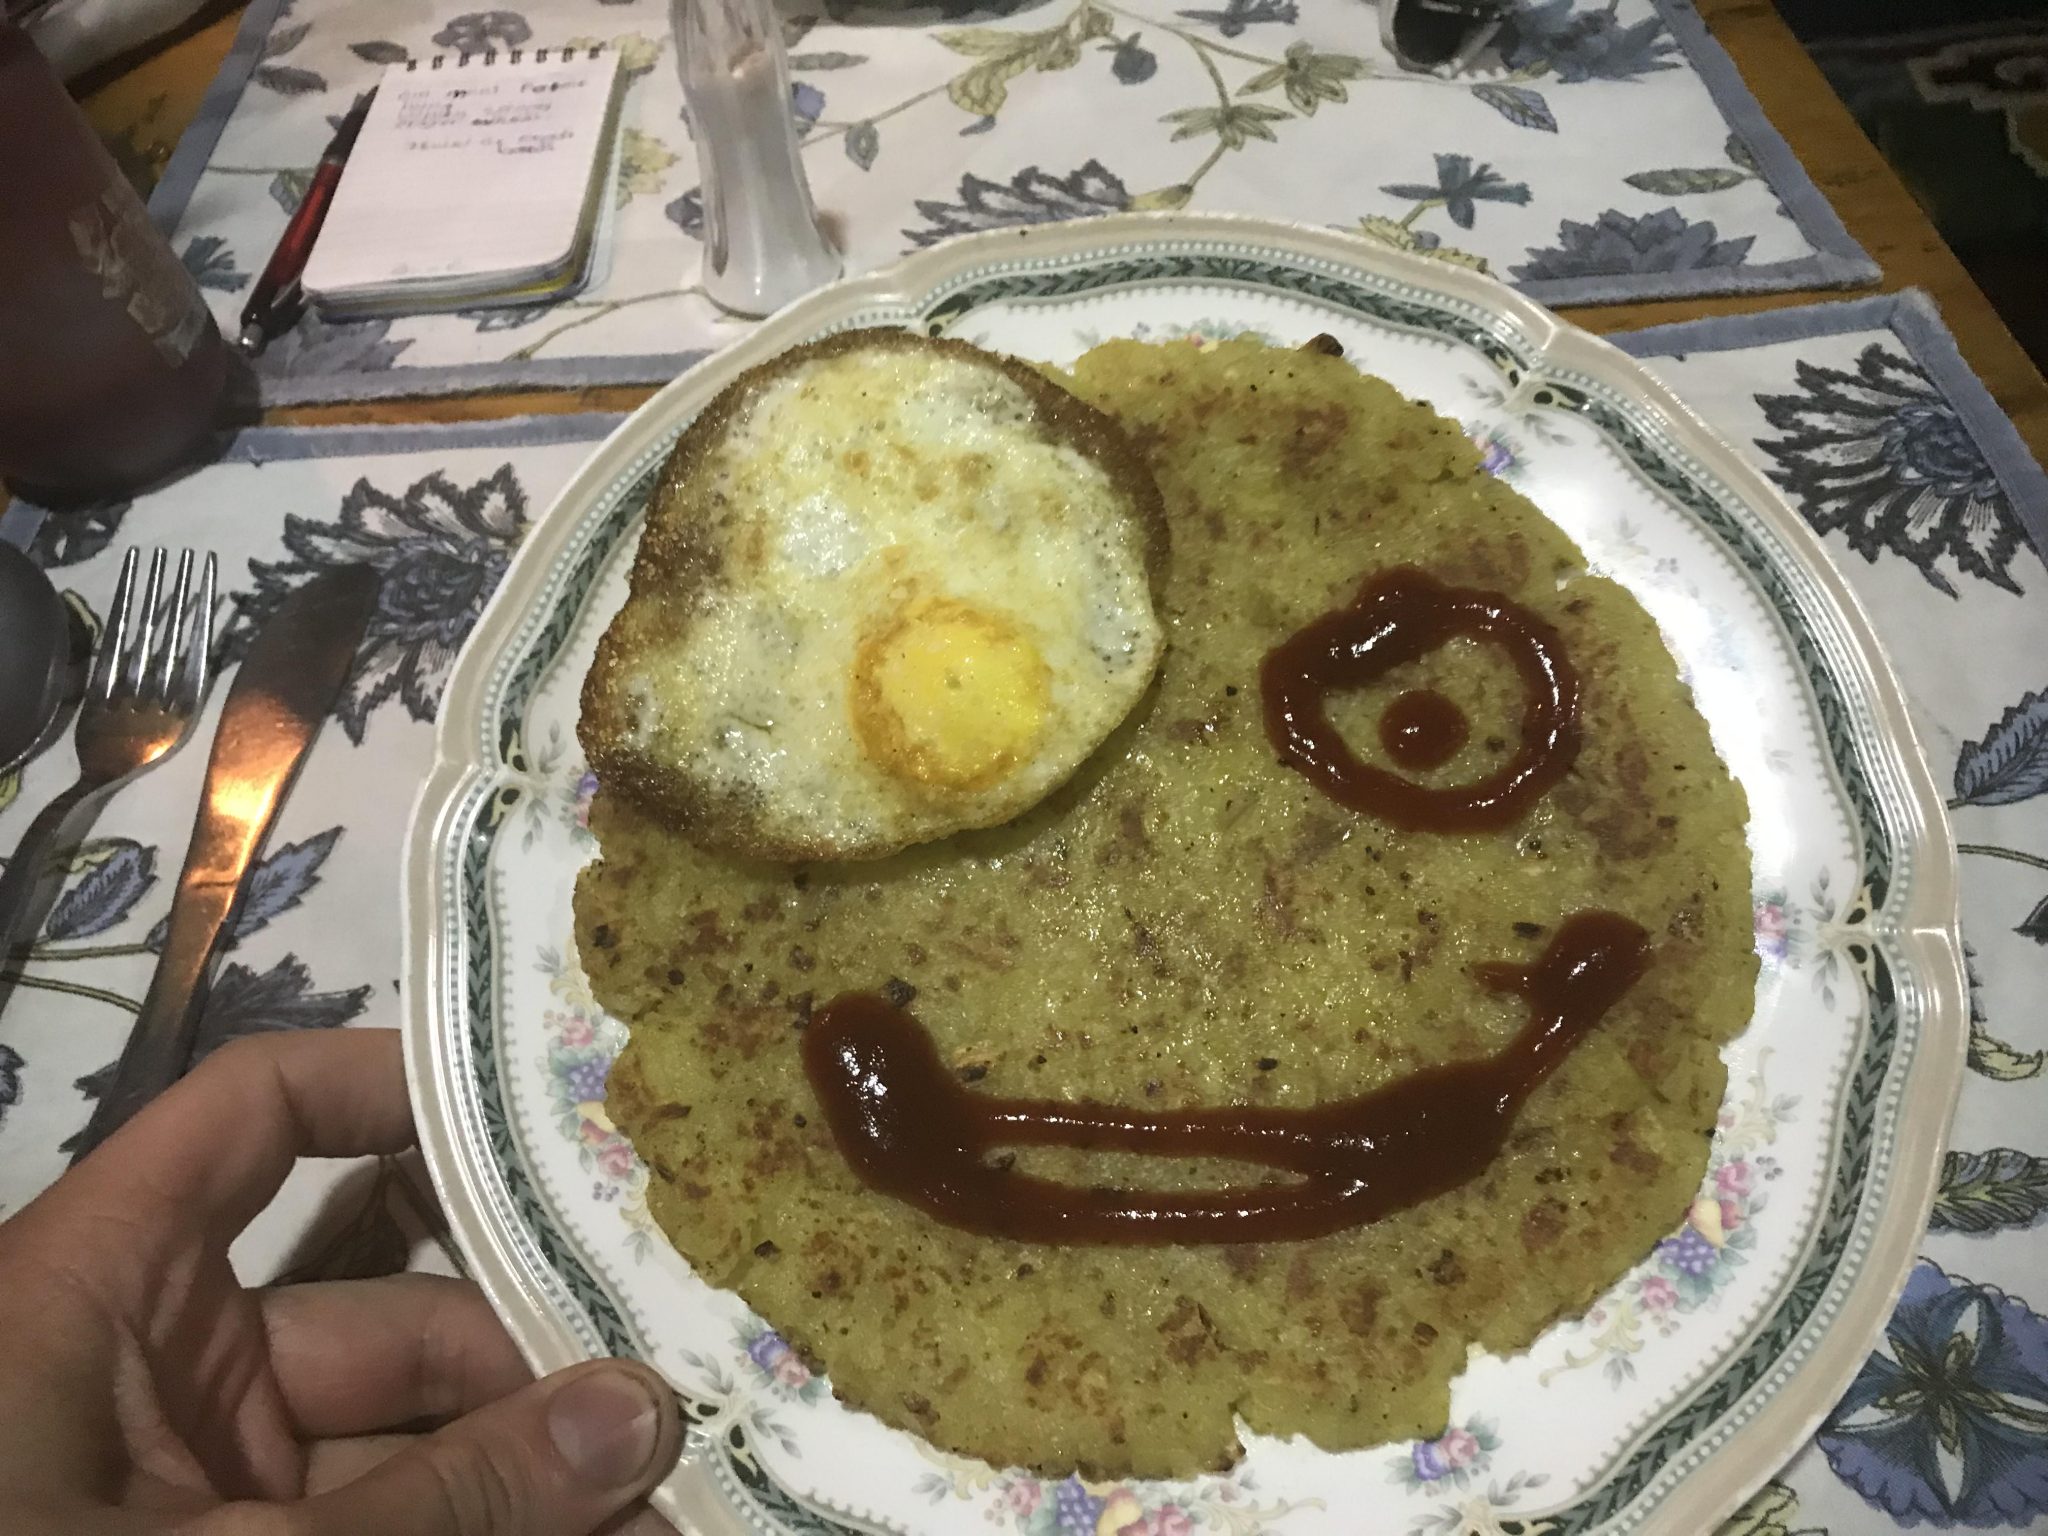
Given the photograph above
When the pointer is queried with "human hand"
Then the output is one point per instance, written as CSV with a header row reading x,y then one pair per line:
x,y
145,1390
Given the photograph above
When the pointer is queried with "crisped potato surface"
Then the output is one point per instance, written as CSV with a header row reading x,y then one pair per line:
x,y
1189,923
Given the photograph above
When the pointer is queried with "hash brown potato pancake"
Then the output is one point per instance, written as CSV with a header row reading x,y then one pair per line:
x,y
1189,923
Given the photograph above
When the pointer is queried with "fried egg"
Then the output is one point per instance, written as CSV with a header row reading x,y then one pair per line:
x,y
891,588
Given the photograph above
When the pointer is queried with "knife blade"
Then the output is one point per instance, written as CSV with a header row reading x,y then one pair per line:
x,y
288,681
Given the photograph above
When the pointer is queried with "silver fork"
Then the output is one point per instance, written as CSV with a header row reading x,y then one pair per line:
x,y
146,687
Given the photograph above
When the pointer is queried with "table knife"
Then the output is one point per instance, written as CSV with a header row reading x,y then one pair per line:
x,y
288,681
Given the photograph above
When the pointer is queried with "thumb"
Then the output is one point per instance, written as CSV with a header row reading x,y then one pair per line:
x,y
557,1458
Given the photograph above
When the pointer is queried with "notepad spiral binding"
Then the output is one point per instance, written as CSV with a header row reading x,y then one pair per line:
x,y
511,56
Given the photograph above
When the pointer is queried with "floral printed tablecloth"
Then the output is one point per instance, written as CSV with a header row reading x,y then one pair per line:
x,y
1607,151
1873,426
1862,411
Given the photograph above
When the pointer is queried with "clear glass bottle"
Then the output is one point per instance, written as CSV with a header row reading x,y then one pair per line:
x,y
762,243
111,368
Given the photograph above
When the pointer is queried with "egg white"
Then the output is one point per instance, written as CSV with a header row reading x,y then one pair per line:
x,y
859,488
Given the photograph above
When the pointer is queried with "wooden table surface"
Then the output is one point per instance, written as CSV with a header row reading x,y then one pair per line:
x,y
148,101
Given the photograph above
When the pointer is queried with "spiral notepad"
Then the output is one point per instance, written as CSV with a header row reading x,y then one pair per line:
x,y
478,179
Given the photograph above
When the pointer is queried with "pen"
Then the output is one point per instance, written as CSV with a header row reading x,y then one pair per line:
x,y
275,301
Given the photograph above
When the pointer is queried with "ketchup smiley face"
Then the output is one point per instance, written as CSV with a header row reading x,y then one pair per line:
x,y
910,1129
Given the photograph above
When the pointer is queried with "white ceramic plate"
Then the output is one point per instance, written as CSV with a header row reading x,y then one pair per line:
x,y
1690,1381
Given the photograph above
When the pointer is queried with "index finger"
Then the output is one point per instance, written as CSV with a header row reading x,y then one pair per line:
x,y
212,1151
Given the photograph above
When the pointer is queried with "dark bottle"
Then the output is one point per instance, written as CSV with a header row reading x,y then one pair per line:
x,y
111,368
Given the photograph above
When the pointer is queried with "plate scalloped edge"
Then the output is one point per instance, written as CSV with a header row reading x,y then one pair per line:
x,y
1921,981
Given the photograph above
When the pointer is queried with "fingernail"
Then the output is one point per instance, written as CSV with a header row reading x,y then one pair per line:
x,y
605,1423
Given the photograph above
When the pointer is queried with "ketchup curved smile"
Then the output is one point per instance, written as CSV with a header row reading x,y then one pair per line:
x,y
911,1130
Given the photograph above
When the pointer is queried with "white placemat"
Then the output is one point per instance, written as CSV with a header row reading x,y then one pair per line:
x,y
1608,152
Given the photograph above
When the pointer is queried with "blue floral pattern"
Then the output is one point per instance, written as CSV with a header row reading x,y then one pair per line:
x,y
440,550
687,213
316,346
480,31
1131,61
2009,763
1948,1420
1575,44
287,79
1616,244
212,264
1879,455
10,1079
117,873
113,879
1460,187
245,1001
242,1002
1031,196
1237,15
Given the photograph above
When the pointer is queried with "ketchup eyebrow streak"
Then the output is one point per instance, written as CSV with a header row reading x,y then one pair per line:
x,y
911,1130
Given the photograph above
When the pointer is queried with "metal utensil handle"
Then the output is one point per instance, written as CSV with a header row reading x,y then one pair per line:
x,y
22,884
160,1047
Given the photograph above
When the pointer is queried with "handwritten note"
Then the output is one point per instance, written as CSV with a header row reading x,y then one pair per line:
x,y
473,177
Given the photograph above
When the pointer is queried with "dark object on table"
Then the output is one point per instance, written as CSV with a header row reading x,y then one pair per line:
x,y
78,36
111,369
1440,36
276,302
1958,110
35,654
286,687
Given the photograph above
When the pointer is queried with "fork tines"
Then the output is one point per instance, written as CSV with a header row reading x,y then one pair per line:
x,y
149,655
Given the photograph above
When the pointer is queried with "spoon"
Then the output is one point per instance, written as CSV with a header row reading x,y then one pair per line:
x,y
35,654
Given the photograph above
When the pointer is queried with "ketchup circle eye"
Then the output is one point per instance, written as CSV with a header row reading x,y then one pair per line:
x,y
1399,616
1423,729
